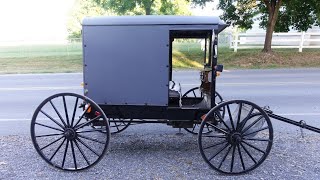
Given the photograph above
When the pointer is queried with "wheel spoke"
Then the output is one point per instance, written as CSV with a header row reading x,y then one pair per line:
x,y
215,144
51,143
49,127
224,157
55,152
116,125
82,115
215,136
74,111
221,119
241,158
254,147
86,123
256,139
219,151
74,156
252,124
55,109
214,126
83,143
65,154
91,139
232,159
245,149
257,131
239,115
247,118
66,110
92,130
194,93
48,135
52,119
82,153
194,126
230,116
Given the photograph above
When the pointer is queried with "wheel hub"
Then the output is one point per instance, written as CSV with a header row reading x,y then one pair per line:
x,y
235,138
70,134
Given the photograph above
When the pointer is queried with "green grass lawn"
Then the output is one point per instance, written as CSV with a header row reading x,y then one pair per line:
x,y
41,59
68,58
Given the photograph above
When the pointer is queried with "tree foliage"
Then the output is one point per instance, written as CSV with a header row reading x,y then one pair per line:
x,y
275,15
81,9
297,14
146,7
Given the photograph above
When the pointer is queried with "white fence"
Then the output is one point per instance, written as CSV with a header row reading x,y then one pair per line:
x,y
279,40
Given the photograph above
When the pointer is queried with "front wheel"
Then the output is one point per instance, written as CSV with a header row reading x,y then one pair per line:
x,y
240,141
62,133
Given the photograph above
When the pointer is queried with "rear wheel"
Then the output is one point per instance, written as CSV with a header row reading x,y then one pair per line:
x,y
240,141
62,133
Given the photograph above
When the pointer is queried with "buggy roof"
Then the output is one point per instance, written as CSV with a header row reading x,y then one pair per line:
x,y
154,20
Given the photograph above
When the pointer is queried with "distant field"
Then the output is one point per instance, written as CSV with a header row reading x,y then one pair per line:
x,y
41,58
68,58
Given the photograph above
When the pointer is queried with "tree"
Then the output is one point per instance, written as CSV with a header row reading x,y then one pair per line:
x,y
145,7
276,15
81,9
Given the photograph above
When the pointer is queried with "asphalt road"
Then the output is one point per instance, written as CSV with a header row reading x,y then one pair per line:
x,y
153,151
294,93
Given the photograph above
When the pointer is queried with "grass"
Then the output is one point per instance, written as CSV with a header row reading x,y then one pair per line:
x,y
41,64
68,58
41,59
247,58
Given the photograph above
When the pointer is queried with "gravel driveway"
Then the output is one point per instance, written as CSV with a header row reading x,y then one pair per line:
x,y
142,153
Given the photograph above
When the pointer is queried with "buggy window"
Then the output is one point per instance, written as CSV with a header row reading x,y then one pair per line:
x,y
190,48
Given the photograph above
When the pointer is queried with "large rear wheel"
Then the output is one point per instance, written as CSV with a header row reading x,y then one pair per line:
x,y
62,133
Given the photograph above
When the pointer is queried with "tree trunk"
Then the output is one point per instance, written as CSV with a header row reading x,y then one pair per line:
x,y
147,4
269,33
273,8
148,10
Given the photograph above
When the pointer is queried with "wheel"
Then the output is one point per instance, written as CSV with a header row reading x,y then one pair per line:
x,y
62,133
118,125
240,141
195,92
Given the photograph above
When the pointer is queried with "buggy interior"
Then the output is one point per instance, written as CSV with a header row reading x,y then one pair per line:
x,y
200,96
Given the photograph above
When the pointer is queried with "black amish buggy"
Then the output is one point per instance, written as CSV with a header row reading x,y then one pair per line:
x,y
127,74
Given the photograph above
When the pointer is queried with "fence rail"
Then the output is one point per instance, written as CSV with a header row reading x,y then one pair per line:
x,y
279,40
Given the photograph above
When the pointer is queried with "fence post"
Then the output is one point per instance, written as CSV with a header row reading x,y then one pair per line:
x,y
235,41
230,39
301,41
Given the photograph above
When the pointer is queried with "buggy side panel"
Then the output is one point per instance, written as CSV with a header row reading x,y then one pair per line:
x,y
126,65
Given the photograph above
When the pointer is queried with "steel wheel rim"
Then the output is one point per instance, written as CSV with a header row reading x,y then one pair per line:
x,y
74,139
235,151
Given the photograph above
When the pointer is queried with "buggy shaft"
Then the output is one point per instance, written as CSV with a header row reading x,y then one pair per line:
x,y
301,123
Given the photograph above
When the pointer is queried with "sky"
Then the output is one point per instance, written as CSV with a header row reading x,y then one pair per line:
x,y
33,20
45,20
